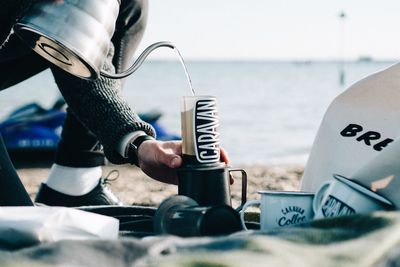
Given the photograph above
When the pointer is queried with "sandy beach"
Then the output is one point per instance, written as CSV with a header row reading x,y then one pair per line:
x,y
133,187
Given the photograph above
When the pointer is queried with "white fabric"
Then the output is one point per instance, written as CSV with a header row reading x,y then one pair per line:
x,y
372,104
73,181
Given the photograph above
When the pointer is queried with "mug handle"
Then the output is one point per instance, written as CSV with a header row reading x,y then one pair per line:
x,y
245,206
244,186
319,195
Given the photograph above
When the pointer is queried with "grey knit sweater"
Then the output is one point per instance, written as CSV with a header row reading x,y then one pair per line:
x,y
97,104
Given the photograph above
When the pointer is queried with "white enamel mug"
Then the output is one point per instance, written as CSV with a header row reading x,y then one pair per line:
x,y
341,196
281,208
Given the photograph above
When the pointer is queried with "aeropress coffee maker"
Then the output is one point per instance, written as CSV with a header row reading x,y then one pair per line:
x,y
203,204
203,176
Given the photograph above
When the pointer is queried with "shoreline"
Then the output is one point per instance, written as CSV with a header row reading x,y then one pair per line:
x,y
132,184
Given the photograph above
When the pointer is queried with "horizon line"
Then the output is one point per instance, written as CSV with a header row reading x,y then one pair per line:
x,y
296,61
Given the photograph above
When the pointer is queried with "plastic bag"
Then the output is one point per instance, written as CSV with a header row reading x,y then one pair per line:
x,y
25,226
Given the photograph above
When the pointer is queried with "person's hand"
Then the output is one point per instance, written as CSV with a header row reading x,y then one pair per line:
x,y
159,160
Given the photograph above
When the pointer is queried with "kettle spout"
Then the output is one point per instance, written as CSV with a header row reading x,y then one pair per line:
x,y
138,62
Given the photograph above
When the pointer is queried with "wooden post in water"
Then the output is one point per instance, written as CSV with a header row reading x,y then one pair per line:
x,y
342,74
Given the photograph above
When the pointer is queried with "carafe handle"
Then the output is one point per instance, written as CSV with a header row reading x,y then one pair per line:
x,y
244,186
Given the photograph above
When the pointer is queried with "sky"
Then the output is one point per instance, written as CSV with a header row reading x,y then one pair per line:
x,y
275,29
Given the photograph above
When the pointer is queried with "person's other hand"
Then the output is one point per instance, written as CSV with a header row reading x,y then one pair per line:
x,y
226,160
159,160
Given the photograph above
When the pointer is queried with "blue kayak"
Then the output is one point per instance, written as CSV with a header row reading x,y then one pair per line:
x,y
34,128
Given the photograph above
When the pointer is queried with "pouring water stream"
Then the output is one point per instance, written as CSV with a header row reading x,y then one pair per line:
x,y
186,71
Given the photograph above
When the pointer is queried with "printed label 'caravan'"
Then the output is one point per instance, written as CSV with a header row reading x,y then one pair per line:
x,y
333,207
206,131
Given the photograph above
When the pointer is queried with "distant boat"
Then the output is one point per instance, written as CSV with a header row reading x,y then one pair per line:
x,y
364,59
302,62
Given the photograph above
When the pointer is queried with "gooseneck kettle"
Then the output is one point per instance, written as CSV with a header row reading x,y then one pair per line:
x,y
75,35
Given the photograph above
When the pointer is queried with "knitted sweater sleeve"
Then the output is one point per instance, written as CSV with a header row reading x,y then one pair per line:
x,y
97,104
100,107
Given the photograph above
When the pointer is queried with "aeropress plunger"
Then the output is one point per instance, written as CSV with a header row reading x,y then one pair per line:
x,y
182,216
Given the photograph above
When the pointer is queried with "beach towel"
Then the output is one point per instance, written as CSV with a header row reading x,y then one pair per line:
x,y
359,124
358,240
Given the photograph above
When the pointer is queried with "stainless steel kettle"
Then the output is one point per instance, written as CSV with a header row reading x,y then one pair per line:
x,y
75,35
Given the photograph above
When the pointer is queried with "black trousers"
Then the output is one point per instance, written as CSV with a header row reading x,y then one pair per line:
x,y
78,147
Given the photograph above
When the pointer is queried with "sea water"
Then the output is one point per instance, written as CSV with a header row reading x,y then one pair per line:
x,y
269,111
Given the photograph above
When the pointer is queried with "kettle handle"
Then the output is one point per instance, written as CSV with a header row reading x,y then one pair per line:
x,y
138,62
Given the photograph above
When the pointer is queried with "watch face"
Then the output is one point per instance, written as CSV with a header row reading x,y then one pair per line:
x,y
132,154
134,147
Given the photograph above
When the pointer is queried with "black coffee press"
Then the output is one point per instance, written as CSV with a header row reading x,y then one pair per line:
x,y
203,177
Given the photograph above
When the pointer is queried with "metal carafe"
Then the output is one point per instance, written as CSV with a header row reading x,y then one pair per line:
x,y
75,35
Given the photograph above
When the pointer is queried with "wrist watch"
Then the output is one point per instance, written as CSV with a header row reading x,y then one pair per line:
x,y
134,148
